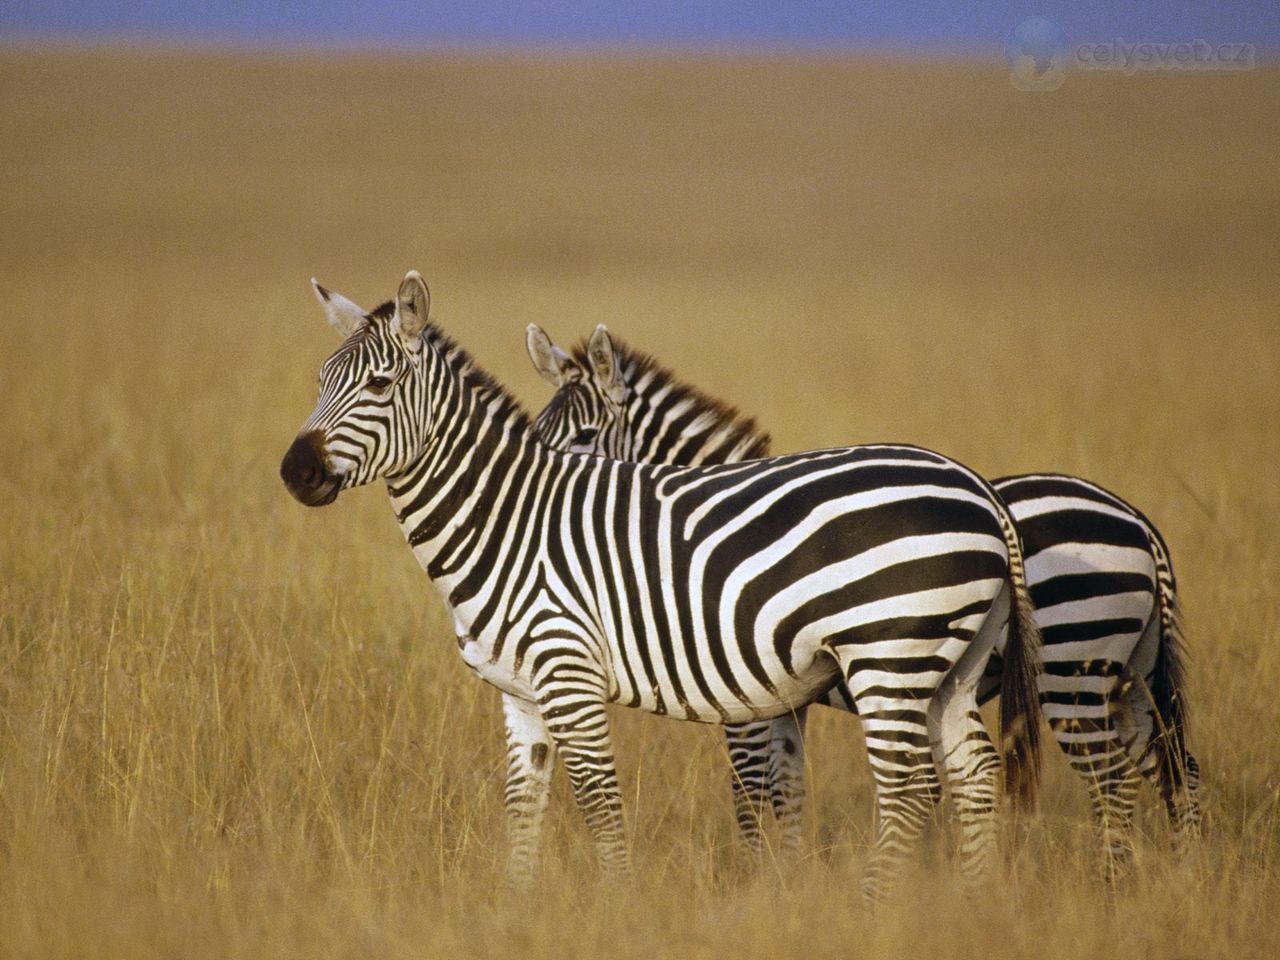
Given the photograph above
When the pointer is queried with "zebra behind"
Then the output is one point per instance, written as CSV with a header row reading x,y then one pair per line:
x,y
718,594
1098,570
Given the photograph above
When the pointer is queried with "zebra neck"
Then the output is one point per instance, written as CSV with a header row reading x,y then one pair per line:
x,y
449,501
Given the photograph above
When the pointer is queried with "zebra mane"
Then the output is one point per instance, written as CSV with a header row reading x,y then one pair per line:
x,y
506,409
646,376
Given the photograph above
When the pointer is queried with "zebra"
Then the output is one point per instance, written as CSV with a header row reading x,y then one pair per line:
x,y
1099,572
718,594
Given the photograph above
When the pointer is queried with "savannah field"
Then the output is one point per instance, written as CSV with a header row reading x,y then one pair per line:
x,y
234,727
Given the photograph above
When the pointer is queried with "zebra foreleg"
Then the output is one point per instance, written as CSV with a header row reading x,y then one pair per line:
x,y
579,726
786,777
530,762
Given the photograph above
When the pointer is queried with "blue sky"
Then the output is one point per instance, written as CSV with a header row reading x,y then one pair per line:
x,y
963,26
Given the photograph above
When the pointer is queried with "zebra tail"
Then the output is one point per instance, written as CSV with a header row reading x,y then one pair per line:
x,y
1169,684
1019,694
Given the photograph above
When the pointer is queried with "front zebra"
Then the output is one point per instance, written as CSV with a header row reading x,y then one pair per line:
x,y
718,594
1098,570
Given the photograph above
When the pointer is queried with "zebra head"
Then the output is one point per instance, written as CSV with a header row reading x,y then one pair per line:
x,y
588,413
369,418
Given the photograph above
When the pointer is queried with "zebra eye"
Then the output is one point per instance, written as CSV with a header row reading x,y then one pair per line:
x,y
585,437
378,384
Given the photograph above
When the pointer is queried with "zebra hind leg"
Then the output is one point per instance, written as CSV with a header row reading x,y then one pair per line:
x,y
907,785
969,761
749,745
1097,753
1183,808
786,777
1152,720
971,765
1150,752
1114,796
530,762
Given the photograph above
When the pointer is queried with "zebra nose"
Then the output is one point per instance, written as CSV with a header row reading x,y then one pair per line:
x,y
304,473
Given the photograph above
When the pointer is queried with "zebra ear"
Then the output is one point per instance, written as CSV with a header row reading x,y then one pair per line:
x,y
343,315
552,363
604,365
413,305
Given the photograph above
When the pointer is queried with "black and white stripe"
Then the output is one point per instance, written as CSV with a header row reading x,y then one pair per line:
x,y
718,594
1099,574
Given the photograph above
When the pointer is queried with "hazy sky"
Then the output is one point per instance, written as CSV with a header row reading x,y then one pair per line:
x,y
880,23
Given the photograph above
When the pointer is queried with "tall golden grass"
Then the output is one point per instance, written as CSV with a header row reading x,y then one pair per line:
x,y
232,727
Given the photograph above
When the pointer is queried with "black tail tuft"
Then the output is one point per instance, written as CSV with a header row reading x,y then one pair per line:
x,y
1019,696
1177,769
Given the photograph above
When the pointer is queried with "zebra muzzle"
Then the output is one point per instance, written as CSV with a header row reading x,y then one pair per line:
x,y
304,472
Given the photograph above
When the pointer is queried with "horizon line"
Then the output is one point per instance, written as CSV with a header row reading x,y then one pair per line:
x,y
145,42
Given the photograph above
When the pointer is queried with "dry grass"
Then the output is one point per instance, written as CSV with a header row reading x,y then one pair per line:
x,y
231,727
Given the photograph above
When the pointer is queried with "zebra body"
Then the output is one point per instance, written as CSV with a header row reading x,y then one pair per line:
x,y
717,593
1098,572
587,603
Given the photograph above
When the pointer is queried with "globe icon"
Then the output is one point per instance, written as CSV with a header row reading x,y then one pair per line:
x,y
1037,53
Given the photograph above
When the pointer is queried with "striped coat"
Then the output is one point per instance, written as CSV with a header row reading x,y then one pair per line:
x,y
720,594
1099,573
